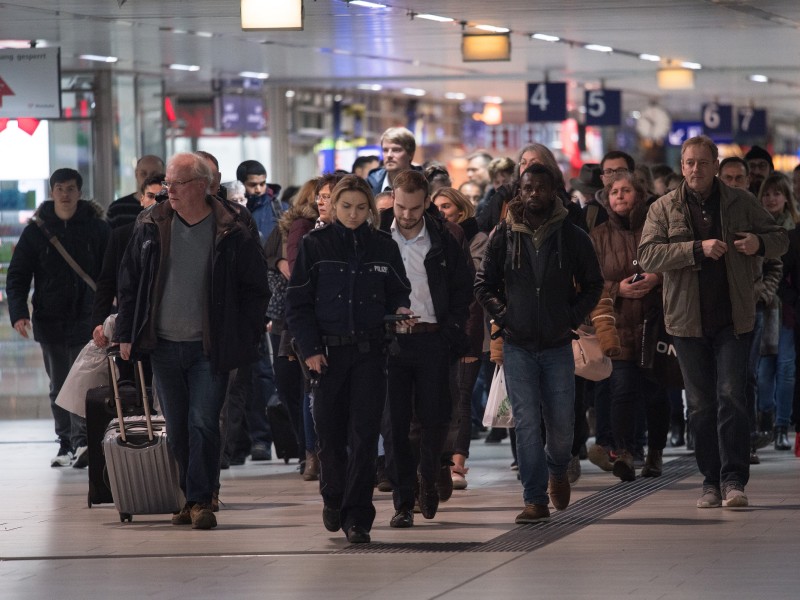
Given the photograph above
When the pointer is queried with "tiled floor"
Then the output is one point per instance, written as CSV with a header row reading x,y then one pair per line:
x,y
271,544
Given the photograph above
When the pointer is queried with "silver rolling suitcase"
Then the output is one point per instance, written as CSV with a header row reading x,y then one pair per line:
x,y
141,469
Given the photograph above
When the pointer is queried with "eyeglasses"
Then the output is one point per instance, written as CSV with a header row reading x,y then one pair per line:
x,y
323,198
620,171
169,184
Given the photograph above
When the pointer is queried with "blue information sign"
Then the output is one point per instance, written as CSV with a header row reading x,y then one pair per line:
x,y
752,121
547,102
717,120
682,131
603,107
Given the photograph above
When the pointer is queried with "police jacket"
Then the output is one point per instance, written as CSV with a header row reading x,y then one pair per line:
x,y
62,301
235,302
539,285
450,279
343,283
667,246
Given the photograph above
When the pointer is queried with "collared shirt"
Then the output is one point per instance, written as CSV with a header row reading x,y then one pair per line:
x,y
386,185
413,252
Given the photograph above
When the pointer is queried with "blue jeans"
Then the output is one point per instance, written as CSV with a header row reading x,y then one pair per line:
x,y
70,428
715,375
541,384
776,379
191,397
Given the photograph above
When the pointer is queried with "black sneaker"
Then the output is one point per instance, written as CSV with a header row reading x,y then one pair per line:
x,y
81,458
331,518
63,458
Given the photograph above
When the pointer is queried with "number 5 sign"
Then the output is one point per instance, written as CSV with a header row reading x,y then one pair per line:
x,y
547,102
603,107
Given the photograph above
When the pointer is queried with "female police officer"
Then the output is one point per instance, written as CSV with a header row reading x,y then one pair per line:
x,y
346,278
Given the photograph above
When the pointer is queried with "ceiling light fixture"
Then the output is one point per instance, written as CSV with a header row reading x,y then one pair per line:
x,y
204,34
367,4
180,67
370,87
598,48
543,37
98,58
260,15
413,91
455,96
253,75
650,57
492,28
691,65
492,100
430,17
759,78
675,78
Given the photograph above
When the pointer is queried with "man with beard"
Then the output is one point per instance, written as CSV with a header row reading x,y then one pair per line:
x,y
539,280
418,374
759,163
398,146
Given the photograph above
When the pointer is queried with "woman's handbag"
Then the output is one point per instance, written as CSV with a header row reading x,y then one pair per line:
x,y
590,361
657,353
498,406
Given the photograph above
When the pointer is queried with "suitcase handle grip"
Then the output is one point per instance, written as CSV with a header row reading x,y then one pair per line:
x,y
112,354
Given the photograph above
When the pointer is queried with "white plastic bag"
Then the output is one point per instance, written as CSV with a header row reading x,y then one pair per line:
x,y
498,406
88,371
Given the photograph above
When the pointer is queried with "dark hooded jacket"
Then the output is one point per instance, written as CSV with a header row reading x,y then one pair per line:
x,y
62,301
538,286
234,304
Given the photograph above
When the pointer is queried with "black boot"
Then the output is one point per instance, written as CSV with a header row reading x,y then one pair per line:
x,y
653,464
676,438
765,425
782,439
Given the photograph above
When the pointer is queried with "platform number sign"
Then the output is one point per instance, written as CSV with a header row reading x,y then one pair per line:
x,y
603,107
752,121
717,119
547,102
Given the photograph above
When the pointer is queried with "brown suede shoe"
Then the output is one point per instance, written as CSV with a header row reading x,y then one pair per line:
x,y
558,489
533,513
183,517
311,472
203,516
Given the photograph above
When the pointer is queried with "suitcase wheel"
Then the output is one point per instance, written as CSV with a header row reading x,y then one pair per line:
x,y
125,517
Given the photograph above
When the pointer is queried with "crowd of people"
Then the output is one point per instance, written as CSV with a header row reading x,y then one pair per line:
x,y
365,305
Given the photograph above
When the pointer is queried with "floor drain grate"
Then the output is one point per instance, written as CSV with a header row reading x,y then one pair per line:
x,y
527,538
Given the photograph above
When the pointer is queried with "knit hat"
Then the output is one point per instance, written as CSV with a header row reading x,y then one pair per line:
x,y
588,180
757,152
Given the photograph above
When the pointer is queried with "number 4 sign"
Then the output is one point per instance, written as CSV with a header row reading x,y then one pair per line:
x,y
547,102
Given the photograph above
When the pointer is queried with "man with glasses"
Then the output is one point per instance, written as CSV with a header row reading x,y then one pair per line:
x,y
126,209
705,238
192,294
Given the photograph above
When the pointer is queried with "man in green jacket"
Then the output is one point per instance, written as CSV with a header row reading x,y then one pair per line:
x,y
705,238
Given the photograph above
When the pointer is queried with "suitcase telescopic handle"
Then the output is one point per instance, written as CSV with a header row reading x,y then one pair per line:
x,y
112,354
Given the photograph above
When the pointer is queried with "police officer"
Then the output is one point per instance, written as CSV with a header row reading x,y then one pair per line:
x,y
347,277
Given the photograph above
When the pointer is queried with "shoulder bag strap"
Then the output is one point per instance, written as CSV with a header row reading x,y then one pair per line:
x,y
64,254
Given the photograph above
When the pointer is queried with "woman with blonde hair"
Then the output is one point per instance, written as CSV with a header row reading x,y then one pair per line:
x,y
347,277
776,368
456,208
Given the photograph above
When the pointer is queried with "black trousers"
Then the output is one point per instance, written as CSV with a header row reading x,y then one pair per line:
x,y
418,386
347,409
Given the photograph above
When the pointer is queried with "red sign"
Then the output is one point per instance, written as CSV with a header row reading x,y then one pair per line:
x,y
4,90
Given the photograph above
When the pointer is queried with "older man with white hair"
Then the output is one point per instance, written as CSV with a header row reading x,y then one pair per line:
x,y
192,294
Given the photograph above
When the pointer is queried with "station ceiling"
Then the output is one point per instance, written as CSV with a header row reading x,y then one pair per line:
x,y
343,46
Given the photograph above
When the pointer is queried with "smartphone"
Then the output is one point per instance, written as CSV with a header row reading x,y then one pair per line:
x,y
637,277
396,318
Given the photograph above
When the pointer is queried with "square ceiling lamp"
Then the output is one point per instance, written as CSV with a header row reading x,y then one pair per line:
x,y
265,15
482,47
675,78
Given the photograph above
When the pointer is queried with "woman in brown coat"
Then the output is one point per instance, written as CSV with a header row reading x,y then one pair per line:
x,y
635,295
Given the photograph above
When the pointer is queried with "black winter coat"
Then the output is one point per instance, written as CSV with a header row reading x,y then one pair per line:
x,y
343,283
235,302
62,301
539,296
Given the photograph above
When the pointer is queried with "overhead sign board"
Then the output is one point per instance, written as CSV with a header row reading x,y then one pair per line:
x,y
603,107
752,121
30,83
717,120
547,102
